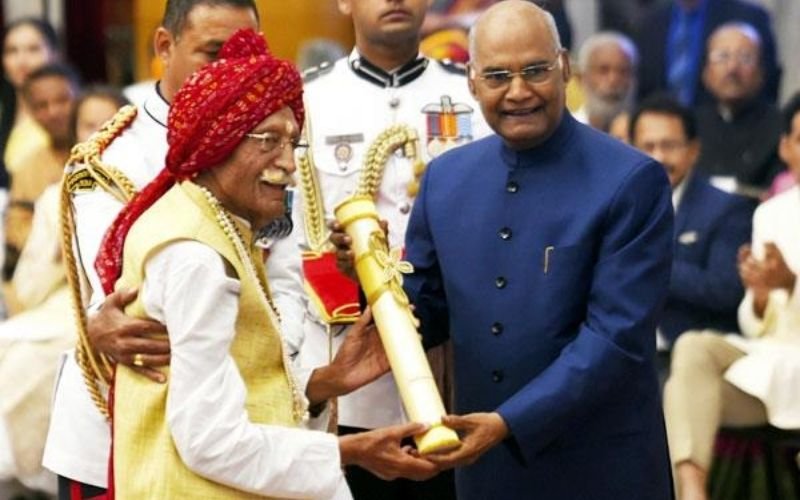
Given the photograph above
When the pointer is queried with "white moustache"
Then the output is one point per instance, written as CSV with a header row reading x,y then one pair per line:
x,y
276,176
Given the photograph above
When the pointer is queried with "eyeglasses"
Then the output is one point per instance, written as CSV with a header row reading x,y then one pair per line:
x,y
535,73
271,142
748,59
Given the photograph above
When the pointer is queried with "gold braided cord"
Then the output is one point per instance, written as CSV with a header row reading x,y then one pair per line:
x,y
96,368
387,142
313,211
88,362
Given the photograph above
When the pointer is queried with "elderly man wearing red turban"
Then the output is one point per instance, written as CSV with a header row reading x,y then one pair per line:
x,y
225,424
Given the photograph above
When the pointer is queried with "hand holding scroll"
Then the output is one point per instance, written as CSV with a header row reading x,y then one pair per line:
x,y
478,431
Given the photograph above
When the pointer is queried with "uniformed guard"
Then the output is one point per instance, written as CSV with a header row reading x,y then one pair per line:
x,y
383,87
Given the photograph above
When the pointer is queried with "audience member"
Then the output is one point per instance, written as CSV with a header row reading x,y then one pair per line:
x,y
607,64
28,44
672,43
752,380
50,94
31,341
710,225
739,129
96,105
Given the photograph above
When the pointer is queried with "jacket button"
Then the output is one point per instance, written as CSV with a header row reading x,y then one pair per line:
x,y
505,233
497,328
497,376
405,208
512,187
500,282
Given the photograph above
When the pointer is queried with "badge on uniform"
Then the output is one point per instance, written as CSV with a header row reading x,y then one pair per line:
x,y
449,125
342,148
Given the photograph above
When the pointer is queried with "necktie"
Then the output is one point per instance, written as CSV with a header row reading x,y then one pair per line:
x,y
679,72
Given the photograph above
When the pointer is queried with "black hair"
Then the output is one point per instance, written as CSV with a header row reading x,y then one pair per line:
x,y
664,104
177,11
43,27
790,110
57,69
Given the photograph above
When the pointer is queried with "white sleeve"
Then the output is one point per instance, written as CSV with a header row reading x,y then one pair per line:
x,y
187,289
751,325
95,211
285,276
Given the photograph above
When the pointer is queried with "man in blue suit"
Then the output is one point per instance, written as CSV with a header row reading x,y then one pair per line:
x,y
710,225
544,253
672,43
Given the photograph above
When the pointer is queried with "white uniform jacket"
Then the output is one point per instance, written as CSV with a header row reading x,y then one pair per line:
x,y
348,105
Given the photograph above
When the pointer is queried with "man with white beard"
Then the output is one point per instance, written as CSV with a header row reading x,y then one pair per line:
x,y
607,64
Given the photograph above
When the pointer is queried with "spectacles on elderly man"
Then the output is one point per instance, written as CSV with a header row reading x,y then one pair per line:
x,y
747,59
271,142
535,73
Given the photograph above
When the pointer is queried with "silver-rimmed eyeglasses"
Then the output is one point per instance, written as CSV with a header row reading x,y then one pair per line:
x,y
271,142
535,73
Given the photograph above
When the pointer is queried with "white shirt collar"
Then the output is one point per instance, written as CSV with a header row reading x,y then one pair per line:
x,y
156,107
677,192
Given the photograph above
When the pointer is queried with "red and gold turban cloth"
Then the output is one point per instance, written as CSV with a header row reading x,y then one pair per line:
x,y
208,118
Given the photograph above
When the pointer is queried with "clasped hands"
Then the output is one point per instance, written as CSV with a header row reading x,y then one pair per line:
x,y
764,275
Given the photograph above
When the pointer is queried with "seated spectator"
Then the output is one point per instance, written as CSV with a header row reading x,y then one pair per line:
x,y
607,73
710,225
31,341
50,93
739,129
672,41
28,44
751,380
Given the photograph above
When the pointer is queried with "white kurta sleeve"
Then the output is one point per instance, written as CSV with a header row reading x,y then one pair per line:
x,y
187,289
285,276
96,212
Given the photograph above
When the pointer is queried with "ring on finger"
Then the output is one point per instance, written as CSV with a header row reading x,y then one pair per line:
x,y
138,360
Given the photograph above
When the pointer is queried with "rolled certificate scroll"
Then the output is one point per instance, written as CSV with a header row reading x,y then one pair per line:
x,y
380,273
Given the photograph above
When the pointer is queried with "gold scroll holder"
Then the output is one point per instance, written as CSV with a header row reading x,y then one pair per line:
x,y
380,272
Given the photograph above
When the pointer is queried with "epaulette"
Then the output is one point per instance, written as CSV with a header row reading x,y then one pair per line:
x,y
453,67
87,169
314,72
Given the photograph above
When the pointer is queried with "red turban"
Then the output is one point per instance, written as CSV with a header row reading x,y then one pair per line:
x,y
208,118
